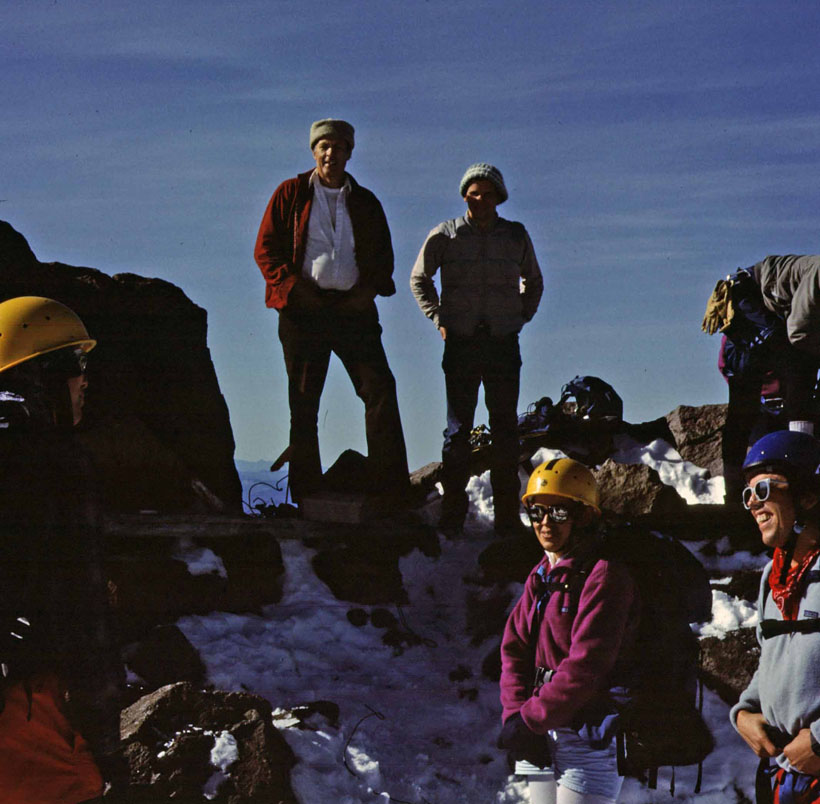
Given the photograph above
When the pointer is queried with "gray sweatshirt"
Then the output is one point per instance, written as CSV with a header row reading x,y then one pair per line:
x,y
786,685
487,277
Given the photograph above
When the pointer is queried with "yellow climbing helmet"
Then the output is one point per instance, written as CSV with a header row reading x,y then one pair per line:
x,y
33,325
563,477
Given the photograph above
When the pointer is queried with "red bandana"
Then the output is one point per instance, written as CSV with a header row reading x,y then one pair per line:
x,y
787,595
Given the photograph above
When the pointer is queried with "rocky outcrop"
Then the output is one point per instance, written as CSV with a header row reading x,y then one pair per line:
x,y
155,419
160,572
165,656
698,435
636,490
186,744
360,563
423,481
728,664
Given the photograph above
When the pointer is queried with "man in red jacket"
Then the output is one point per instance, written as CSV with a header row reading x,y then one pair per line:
x,y
324,249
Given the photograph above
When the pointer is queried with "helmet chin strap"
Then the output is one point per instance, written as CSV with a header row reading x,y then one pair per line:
x,y
791,542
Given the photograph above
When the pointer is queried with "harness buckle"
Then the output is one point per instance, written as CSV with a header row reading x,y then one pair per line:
x,y
542,676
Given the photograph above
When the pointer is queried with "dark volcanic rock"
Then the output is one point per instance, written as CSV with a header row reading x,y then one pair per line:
x,y
157,589
698,435
423,481
728,664
169,734
360,563
368,578
255,569
633,490
743,584
153,584
647,432
165,656
151,381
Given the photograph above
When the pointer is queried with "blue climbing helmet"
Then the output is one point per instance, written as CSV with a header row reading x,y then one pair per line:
x,y
797,455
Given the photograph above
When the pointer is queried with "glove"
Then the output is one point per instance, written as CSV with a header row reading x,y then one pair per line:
x,y
523,743
719,309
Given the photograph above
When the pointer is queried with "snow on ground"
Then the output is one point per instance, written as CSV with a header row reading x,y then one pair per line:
x,y
409,731
691,482
728,613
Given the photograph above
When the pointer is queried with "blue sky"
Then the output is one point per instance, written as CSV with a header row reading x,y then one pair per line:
x,y
649,148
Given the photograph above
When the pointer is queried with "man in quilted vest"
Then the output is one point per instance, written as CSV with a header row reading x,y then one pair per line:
x,y
490,287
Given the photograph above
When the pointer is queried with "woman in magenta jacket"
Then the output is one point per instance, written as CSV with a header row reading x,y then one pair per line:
x,y
566,651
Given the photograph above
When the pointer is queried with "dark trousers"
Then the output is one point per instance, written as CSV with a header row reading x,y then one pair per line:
x,y
496,363
308,338
746,422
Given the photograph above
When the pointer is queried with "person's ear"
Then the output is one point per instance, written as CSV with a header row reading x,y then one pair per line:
x,y
808,500
585,516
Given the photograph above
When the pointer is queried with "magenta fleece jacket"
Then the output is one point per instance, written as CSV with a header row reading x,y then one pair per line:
x,y
582,647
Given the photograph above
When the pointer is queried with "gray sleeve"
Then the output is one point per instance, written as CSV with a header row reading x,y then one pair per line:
x,y
533,281
749,700
421,277
803,320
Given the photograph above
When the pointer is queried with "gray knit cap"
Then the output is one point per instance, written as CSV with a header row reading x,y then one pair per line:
x,y
338,129
483,170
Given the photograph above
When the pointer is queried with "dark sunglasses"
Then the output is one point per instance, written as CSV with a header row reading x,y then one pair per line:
x,y
70,362
557,514
762,489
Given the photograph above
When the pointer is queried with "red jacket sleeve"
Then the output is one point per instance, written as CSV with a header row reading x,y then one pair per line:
x,y
274,250
374,247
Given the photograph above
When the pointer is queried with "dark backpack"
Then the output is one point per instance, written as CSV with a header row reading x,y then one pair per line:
x,y
537,417
594,398
756,336
660,724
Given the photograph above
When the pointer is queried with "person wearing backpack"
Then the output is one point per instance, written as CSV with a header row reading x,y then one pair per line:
x,y
491,285
568,650
778,714
61,677
770,316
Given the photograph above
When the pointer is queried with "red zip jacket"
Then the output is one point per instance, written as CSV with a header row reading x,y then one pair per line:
x,y
583,645
43,759
280,244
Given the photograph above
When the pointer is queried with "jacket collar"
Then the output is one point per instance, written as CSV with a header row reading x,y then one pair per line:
x,y
305,185
313,179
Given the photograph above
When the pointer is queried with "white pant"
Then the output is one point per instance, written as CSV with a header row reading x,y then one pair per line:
x,y
579,775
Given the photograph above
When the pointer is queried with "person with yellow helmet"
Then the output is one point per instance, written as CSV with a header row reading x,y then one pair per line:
x,y
61,678
568,645
43,348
